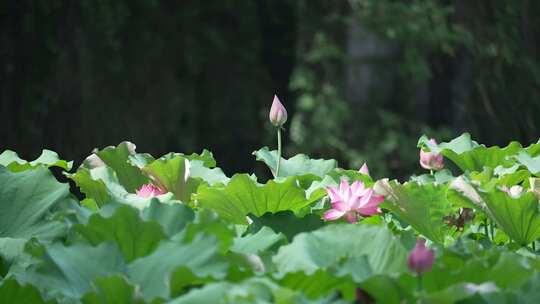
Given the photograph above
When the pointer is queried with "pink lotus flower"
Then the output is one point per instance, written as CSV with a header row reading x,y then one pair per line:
x,y
421,258
149,190
278,113
364,169
351,201
431,160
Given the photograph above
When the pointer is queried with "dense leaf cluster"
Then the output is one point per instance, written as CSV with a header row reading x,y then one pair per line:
x,y
218,239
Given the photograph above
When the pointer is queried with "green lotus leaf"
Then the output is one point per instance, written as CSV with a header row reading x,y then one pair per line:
x,y
286,222
468,155
257,242
252,290
135,237
424,207
357,250
13,292
519,217
171,172
209,175
112,289
531,163
299,164
27,200
68,272
47,159
152,272
243,196
173,218
117,158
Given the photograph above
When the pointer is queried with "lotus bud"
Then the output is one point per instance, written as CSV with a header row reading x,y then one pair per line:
x,y
421,258
278,113
364,169
149,190
431,160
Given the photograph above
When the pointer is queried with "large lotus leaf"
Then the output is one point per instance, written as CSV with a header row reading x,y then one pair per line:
x,y
152,272
102,185
319,284
201,166
243,196
117,158
112,290
297,165
47,158
172,218
209,175
519,217
358,250
469,155
424,207
171,172
26,200
531,163
286,222
253,290
208,223
135,237
254,243
13,292
92,182
68,272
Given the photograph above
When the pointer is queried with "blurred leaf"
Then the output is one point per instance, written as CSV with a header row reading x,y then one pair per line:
x,y
13,292
112,290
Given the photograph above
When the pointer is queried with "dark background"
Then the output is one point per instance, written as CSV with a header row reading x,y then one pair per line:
x,y
361,79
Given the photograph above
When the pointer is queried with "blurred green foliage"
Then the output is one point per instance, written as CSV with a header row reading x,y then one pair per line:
x,y
188,75
477,59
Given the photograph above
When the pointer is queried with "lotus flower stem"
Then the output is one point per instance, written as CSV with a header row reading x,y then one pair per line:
x,y
278,150
491,230
420,283
533,245
486,229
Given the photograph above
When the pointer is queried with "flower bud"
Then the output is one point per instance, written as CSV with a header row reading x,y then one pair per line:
x,y
431,160
421,258
149,190
278,113
364,169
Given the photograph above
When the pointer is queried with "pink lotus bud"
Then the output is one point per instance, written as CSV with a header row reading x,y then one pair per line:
x,y
421,258
364,169
431,160
278,113
149,190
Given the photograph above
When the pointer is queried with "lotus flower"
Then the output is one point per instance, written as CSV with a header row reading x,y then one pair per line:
x,y
149,190
351,201
421,258
364,169
278,113
431,160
